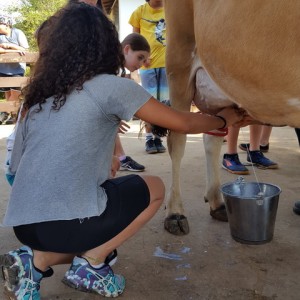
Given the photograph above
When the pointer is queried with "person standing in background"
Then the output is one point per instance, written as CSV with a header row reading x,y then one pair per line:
x,y
11,40
149,20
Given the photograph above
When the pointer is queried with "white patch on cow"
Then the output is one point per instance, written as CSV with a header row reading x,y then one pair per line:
x,y
295,102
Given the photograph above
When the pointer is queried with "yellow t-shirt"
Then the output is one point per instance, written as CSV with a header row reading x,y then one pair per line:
x,y
151,23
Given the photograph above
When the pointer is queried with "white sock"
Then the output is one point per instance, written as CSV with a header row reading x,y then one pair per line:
x,y
149,136
97,266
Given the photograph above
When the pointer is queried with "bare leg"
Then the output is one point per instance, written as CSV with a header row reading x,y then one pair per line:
x,y
119,151
232,138
157,194
255,132
265,135
42,260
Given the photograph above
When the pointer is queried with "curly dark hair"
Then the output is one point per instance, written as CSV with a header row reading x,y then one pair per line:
x,y
80,44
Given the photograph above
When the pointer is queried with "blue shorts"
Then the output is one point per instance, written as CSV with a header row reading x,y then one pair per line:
x,y
154,81
127,196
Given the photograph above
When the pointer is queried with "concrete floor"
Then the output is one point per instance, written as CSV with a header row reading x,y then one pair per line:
x,y
207,264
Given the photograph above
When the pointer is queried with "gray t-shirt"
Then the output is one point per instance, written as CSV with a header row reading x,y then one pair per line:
x,y
61,158
18,38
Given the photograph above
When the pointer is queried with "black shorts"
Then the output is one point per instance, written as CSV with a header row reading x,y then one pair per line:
x,y
127,196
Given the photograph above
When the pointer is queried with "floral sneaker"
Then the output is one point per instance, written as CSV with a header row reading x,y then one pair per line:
x,y
82,276
21,278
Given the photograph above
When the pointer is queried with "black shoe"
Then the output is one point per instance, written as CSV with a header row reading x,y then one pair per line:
x,y
159,146
246,147
111,258
129,164
296,208
150,147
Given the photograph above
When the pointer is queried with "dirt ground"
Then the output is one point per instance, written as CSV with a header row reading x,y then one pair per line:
x,y
207,264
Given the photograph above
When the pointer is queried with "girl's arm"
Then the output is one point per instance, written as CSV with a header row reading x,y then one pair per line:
x,y
159,114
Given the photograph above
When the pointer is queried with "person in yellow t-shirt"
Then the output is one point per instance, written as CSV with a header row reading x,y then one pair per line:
x,y
149,20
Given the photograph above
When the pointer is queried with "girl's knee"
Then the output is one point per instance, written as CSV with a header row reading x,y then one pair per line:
x,y
156,187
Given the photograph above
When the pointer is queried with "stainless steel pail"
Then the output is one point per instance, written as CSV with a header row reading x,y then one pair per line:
x,y
251,209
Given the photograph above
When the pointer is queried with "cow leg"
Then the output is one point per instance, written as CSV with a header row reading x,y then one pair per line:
x,y
175,222
212,146
179,63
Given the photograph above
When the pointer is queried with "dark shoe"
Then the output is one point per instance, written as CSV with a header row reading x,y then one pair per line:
x,y
246,147
232,164
150,147
159,146
129,164
296,208
111,258
259,160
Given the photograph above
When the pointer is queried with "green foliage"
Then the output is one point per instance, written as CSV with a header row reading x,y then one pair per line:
x,y
32,13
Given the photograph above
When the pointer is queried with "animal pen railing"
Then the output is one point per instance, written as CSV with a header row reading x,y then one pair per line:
x,y
12,104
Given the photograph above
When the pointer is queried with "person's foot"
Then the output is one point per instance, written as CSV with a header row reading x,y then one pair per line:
x,y
232,164
159,146
246,147
259,160
21,278
296,208
131,165
83,277
150,147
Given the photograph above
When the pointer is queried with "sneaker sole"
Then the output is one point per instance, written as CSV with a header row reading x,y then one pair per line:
x,y
236,172
8,294
8,274
82,289
131,170
152,151
262,167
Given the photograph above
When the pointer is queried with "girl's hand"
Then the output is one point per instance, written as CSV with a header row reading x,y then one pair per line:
x,y
5,46
231,115
123,127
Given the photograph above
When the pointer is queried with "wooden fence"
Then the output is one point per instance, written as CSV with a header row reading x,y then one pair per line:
x,y
29,58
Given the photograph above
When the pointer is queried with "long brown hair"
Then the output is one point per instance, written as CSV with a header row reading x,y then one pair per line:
x,y
80,43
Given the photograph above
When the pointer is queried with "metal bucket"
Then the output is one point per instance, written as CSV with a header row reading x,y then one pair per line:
x,y
251,209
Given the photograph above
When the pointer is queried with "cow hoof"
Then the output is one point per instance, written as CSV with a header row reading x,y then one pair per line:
x,y
219,213
177,224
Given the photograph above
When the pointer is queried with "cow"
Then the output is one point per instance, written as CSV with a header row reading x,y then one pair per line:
x,y
222,53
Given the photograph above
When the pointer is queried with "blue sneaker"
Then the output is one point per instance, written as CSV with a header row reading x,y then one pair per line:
x,y
259,160
159,146
150,147
232,164
22,279
83,277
